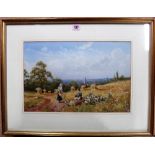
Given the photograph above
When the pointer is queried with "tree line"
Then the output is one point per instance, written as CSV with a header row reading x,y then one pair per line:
x,y
40,77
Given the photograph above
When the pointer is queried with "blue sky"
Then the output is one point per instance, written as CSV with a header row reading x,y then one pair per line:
x,y
77,60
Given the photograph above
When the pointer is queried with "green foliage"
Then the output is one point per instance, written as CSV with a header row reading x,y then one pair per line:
x,y
66,87
122,77
117,77
26,79
26,74
39,75
54,84
74,84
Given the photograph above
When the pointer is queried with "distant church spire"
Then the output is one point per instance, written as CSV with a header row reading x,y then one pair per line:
x,y
85,81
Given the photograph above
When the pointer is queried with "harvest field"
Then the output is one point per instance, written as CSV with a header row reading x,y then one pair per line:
x,y
110,97
77,76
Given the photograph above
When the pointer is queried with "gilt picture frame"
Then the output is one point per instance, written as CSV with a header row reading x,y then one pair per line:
x,y
93,72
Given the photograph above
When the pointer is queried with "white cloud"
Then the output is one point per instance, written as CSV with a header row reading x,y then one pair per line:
x,y
44,49
44,52
86,45
80,63
28,65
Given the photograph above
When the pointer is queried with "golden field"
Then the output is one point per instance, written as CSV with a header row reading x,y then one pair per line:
x,y
116,98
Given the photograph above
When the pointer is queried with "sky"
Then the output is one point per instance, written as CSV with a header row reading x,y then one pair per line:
x,y
77,60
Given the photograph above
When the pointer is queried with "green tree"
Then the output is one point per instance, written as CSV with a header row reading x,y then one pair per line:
x,y
74,83
55,83
26,74
26,78
39,75
66,87
122,77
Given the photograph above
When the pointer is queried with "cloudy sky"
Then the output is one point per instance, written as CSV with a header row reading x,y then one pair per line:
x,y
77,60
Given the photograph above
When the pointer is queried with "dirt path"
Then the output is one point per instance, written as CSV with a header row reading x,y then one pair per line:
x,y
48,106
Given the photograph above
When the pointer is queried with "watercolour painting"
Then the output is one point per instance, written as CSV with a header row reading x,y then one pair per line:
x,y
77,76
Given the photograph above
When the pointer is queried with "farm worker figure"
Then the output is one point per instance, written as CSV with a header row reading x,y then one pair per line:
x,y
59,97
59,100
60,87
78,98
60,92
78,95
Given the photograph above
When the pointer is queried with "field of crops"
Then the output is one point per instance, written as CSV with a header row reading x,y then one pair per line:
x,y
111,97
